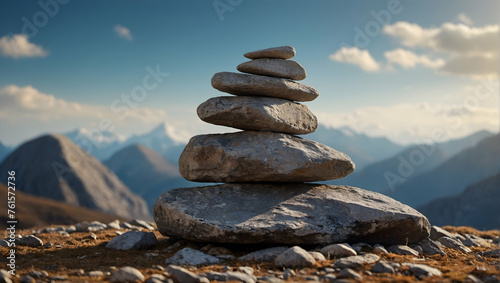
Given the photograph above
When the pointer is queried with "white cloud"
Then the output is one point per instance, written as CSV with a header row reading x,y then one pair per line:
x,y
355,56
408,59
123,32
471,51
414,123
465,19
18,45
26,112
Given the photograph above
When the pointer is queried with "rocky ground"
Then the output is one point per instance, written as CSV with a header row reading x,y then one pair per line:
x,y
136,251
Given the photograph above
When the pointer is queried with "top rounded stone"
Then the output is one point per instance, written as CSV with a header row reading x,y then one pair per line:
x,y
282,52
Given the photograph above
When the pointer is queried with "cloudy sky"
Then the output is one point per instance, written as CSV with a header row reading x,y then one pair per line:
x,y
400,69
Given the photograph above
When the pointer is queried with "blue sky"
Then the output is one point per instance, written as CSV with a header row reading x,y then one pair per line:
x,y
397,84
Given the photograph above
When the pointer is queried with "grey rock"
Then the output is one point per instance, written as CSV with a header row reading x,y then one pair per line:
x,y
261,157
114,225
362,247
133,240
431,248
338,250
438,232
248,270
402,250
95,226
490,253
59,278
349,273
269,279
294,257
356,261
317,256
82,226
258,114
422,270
282,52
182,275
379,249
5,276
268,254
382,267
127,274
286,214
30,241
475,241
472,279
95,273
143,224
157,278
52,166
38,274
92,236
454,244
192,257
288,274
229,276
492,279
255,85
70,229
417,248
4,243
328,278
272,67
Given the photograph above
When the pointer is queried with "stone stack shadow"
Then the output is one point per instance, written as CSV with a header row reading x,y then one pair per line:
x,y
266,166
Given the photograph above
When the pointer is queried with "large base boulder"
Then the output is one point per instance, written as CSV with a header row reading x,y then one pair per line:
x,y
294,214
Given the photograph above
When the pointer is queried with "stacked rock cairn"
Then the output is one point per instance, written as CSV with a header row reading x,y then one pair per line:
x,y
266,167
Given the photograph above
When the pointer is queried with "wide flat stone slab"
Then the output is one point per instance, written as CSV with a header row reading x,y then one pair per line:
x,y
280,68
255,85
259,114
282,52
288,214
250,156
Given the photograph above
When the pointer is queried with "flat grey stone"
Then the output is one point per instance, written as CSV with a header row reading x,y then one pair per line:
x,y
133,240
157,278
246,213
192,257
317,256
294,257
382,267
280,68
431,248
422,270
4,243
349,273
402,250
95,273
362,247
438,232
269,279
454,244
30,241
261,157
491,253
379,249
268,254
259,114
282,52
356,261
95,226
182,275
255,85
25,279
114,225
127,274
229,276
142,223
338,250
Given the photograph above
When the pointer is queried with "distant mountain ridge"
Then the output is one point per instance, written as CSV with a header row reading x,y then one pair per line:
x,y
452,176
54,167
478,206
101,144
4,151
146,172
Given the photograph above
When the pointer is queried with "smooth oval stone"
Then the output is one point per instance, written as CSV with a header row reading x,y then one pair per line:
x,y
280,68
282,52
287,214
260,157
259,114
255,85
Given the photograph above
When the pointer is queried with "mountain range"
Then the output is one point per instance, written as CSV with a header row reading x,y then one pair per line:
x,y
52,166
4,151
146,172
477,206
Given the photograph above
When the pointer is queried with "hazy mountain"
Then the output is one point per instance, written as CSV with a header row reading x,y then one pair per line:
x,y
159,139
478,206
4,151
453,176
33,211
101,144
146,172
362,149
54,167
389,174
